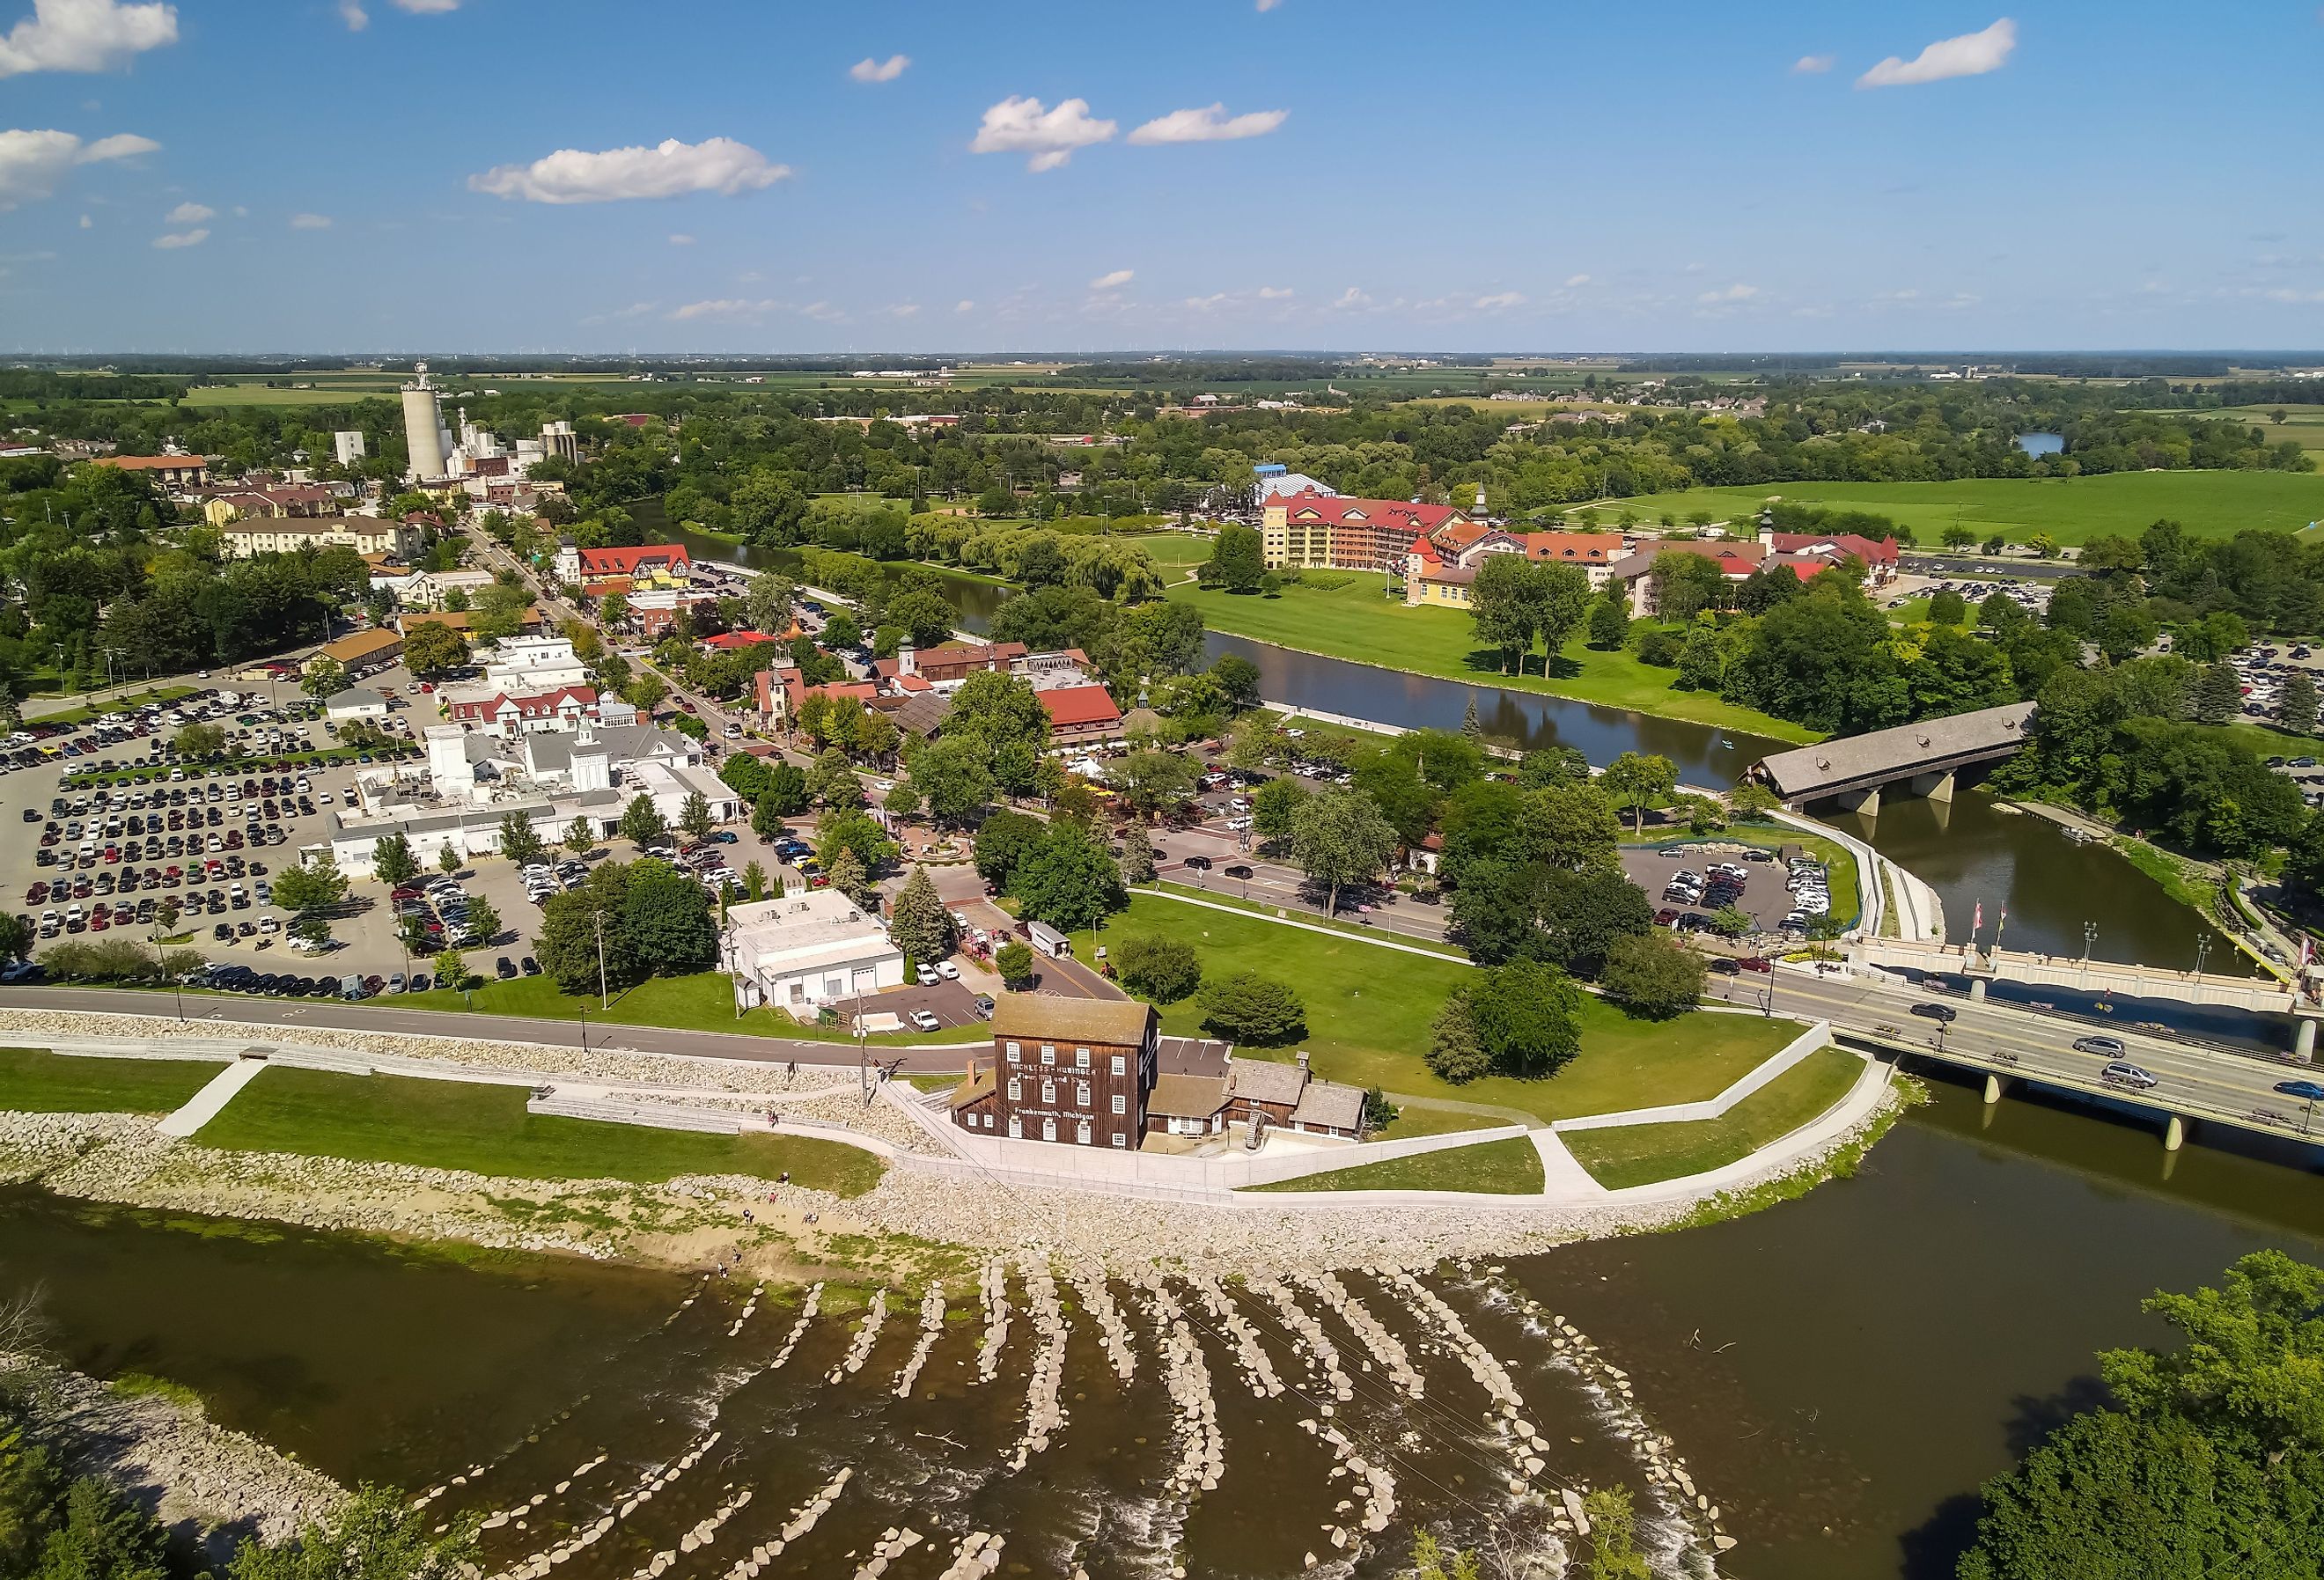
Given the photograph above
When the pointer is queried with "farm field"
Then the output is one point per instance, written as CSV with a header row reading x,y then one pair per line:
x,y
1352,621
2304,424
2073,510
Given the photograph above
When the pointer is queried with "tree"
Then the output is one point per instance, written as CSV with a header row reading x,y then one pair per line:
x,y
519,842
954,783
483,922
17,935
1274,806
1014,961
645,693
1455,1053
1472,727
842,631
447,861
1947,607
1067,880
1254,745
376,1535
786,790
199,741
392,861
924,613
1153,966
580,836
324,678
694,816
1003,715
1527,1019
918,922
166,913
2205,1460
641,822
1610,625
1638,781
314,886
854,831
1652,975
1245,1007
1613,1543
1338,837
1149,778
1503,608
833,780
2219,694
847,875
666,921
1238,561
1238,681
2295,707
1136,859
432,648
754,882
767,602
1001,843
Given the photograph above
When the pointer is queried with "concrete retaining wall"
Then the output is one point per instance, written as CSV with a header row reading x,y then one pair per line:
x,y
1816,1035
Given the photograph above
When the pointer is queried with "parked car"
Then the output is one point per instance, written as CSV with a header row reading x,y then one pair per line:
x,y
925,1021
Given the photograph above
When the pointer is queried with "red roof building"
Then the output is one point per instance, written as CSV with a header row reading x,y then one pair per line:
x,y
561,709
1080,712
1879,560
1334,531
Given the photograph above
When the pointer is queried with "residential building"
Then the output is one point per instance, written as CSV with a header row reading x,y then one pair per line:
x,y
510,715
268,502
1879,560
647,564
1431,582
367,651
1252,1095
1311,531
533,663
170,471
288,534
1736,561
804,953
427,589
1070,1070
355,702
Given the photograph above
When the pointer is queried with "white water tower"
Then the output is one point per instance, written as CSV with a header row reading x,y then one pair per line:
x,y
424,437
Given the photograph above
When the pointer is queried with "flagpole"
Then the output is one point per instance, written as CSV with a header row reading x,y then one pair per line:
x,y
1997,927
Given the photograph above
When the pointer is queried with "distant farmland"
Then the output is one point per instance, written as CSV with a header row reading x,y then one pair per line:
x,y
2073,510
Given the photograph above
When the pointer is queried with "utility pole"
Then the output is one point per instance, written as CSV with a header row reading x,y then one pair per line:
x,y
604,1002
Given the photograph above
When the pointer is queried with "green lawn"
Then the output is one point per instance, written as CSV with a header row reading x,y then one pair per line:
x,y
704,1002
1640,1154
1174,550
1412,1120
34,1081
2268,739
1510,1167
1369,1009
2073,510
1227,891
85,712
1352,620
454,1124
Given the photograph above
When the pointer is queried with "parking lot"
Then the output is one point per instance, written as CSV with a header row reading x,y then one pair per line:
x,y
1760,893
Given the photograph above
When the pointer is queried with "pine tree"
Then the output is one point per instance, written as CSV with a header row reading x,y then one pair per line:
x,y
2219,693
918,921
847,875
1470,725
2295,708
1136,859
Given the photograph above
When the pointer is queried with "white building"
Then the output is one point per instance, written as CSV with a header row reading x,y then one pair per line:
x,y
287,534
348,446
534,663
426,440
805,951
465,831
670,783
355,702
425,589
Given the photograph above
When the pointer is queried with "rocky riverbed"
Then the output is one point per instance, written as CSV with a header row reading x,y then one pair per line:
x,y
209,1484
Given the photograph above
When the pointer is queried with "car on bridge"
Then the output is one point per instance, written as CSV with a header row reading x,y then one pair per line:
x,y
2308,1091
2122,1073
1945,1013
2111,1047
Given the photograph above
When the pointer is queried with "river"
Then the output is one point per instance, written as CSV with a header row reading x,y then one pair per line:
x,y
1840,1372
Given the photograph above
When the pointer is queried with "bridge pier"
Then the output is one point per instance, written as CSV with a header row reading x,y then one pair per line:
x,y
1994,1088
2304,1045
1976,990
1865,802
1934,787
2174,1134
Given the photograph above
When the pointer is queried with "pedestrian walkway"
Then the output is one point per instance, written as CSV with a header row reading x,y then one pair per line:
x,y
215,1095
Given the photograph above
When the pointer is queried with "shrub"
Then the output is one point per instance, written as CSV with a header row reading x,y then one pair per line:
x,y
1152,967
1246,1007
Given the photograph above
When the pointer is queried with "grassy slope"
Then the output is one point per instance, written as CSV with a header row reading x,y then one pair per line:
x,y
704,1002
451,1124
1368,1010
1179,551
1510,1167
2073,510
1640,1154
34,1081
1354,621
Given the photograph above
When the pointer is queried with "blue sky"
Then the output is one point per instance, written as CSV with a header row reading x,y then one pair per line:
x,y
1523,175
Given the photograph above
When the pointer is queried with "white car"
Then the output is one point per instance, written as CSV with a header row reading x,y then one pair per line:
x,y
1237,825
925,1021
948,971
927,975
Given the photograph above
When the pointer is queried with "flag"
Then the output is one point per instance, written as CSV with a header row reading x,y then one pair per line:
x,y
2307,950
1976,921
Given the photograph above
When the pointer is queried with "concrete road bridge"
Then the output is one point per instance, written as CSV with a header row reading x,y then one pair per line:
x,y
1926,759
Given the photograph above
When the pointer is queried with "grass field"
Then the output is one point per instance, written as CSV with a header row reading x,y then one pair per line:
x,y
85,711
35,1082
1174,550
1368,1010
1412,1120
1353,620
1640,1154
704,1002
2302,424
2073,510
1510,1167
485,1129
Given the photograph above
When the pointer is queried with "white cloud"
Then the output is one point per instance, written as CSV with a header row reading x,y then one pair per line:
x,y
1275,293
723,307
1022,125
1211,124
1576,281
310,222
428,7
823,312
964,306
352,13
86,223
867,69
1813,65
1732,293
183,238
85,35
905,310
1114,281
1498,301
1268,4
1973,54
1206,303
670,169
189,213
1352,299
678,238
34,165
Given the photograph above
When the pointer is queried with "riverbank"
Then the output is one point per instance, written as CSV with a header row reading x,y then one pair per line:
x,y
1354,621
157,1446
